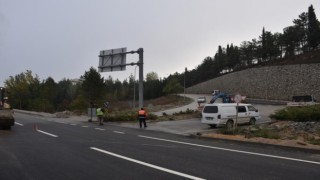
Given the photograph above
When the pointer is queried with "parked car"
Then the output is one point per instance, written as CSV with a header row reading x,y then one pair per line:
x,y
305,100
202,100
220,114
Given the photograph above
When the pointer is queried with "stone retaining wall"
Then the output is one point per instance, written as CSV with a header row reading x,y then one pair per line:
x,y
267,82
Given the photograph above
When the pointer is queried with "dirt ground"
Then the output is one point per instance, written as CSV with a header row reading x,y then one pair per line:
x,y
290,143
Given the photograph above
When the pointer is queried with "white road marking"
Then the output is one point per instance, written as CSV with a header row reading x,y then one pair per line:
x,y
118,132
49,134
18,124
61,122
147,164
99,129
232,150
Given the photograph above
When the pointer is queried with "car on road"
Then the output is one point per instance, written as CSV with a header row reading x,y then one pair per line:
x,y
226,114
202,99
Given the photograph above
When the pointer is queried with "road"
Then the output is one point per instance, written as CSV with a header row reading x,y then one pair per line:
x,y
51,148
265,110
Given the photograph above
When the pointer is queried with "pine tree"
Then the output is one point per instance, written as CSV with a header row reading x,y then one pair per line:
x,y
313,29
264,53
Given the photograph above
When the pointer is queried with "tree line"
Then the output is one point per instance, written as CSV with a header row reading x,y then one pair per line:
x,y
27,91
301,37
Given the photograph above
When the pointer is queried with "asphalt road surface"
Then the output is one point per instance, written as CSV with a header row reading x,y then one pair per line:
x,y
48,148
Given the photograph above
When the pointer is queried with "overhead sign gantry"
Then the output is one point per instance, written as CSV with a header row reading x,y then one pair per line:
x,y
115,60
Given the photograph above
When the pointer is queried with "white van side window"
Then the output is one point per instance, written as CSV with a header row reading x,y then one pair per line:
x,y
251,108
242,109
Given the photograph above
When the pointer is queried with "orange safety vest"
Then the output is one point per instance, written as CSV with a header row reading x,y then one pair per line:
x,y
142,113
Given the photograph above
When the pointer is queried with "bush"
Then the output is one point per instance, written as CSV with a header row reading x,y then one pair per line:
x,y
226,131
299,114
126,116
266,133
130,116
188,111
313,141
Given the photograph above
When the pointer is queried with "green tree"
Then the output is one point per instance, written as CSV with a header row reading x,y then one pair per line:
x,y
173,87
291,40
313,29
22,88
93,86
301,26
152,86
47,99
151,76
66,93
263,45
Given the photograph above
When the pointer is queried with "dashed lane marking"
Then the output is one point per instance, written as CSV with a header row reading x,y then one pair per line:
x,y
118,132
61,122
99,129
18,124
49,134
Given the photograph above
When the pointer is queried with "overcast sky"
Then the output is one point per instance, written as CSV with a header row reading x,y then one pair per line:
x,y
62,38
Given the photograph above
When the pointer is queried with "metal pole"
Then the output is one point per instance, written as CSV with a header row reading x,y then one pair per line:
x,y
184,84
140,51
134,88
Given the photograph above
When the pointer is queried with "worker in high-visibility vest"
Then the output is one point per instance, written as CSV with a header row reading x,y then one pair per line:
x,y
142,115
100,115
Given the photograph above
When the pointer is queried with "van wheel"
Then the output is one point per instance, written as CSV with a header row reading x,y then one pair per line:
x,y
252,121
229,124
212,125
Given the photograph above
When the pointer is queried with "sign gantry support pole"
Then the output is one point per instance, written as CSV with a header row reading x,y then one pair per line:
x,y
140,52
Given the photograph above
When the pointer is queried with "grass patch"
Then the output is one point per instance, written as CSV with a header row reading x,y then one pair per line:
x,y
251,132
313,140
266,133
318,131
229,131
298,114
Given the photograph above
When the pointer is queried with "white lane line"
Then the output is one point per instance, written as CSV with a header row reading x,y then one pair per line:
x,y
118,132
147,164
49,134
232,150
99,129
85,126
61,122
18,124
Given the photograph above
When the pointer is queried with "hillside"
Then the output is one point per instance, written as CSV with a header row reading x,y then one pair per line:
x,y
306,58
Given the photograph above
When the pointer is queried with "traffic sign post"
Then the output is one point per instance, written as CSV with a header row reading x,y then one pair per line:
x,y
237,99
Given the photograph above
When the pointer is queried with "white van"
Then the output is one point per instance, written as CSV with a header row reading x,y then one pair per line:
x,y
218,114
